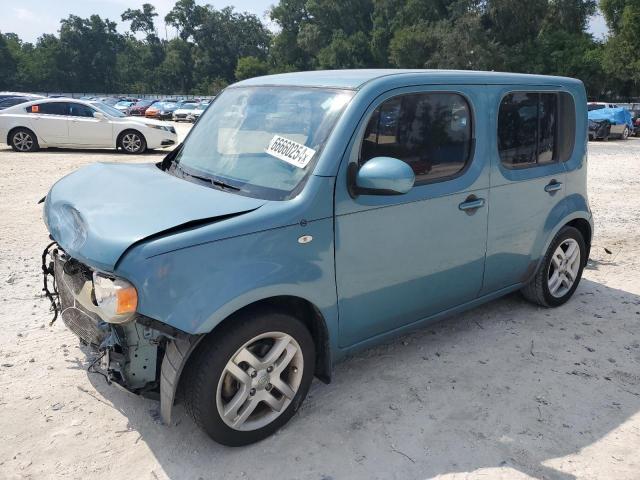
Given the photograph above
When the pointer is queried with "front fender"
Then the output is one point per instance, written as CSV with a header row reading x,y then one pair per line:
x,y
195,288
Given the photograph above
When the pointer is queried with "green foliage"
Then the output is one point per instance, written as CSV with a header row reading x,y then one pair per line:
x,y
249,67
185,16
8,65
214,47
141,20
621,57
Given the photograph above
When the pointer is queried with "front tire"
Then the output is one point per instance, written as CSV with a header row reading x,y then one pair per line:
x,y
625,133
23,140
248,379
132,142
560,271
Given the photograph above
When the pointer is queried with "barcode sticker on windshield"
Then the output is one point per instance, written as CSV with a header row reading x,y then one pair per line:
x,y
289,151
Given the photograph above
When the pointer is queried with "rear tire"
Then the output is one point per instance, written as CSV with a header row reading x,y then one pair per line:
x,y
23,140
132,142
560,270
247,379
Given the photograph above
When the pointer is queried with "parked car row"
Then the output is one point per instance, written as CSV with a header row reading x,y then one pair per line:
x,y
161,109
68,122
182,111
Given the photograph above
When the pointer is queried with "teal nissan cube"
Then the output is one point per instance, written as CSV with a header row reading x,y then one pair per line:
x,y
308,215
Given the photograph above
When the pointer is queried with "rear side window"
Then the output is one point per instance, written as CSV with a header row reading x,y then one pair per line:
x,y
431,132
536,128
55,108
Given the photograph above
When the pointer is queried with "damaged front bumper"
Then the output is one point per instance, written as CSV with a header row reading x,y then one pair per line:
x,y
132,354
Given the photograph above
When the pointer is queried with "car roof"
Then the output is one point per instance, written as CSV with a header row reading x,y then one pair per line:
x,y
356,79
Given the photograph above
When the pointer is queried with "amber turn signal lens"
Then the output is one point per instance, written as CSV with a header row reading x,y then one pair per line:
x,y
127,300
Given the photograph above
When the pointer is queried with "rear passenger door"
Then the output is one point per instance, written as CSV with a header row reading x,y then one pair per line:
x,y
535,135
402,258
50,121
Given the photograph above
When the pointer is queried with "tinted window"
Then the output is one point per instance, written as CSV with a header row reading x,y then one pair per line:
x,y
535,128
10,102
517,127
431,132
79,110
547,113
56,108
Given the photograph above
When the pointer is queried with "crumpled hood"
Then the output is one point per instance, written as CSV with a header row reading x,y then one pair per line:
x,y
99,211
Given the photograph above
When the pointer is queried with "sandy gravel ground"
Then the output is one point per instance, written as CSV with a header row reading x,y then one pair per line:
x,y
507,390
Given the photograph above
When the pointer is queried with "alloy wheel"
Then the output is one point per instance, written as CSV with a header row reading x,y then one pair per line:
x,y
564,268
131,142
23,141
259,381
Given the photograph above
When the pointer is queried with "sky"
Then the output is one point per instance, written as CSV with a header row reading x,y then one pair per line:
x,y
31,18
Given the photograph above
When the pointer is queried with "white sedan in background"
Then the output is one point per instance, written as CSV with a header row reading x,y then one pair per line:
x,y
66,122
183,111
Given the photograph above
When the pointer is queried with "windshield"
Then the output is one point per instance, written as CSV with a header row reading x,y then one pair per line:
x,y
188,106
595,106
262,140
109,110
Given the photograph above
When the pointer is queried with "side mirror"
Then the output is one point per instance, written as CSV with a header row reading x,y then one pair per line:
x,y
384,176
99,115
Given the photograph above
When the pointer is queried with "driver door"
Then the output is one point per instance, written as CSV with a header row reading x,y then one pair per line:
x,y
403,258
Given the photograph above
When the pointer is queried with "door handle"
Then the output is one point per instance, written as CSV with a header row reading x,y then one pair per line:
x,y
553,186
471,204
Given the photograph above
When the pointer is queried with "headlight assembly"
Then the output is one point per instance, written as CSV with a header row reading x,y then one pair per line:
x,y
159,127
116,298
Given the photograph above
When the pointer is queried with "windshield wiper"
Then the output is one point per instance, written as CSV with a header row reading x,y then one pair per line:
x,y
223,185
214,181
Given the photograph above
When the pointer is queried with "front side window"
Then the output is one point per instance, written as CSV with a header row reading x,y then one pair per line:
x,y
104,108
79,110
535,128
53,108
250,138
431,132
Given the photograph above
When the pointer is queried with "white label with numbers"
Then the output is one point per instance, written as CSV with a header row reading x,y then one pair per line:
x,y
289,151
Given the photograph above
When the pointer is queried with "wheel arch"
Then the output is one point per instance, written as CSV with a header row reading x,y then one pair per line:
x,y
20,127
124,131
308,314
179,352
580,219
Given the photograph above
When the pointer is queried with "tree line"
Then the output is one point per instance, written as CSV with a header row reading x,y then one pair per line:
x,y
214,47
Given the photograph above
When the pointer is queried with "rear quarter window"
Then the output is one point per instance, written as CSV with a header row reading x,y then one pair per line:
x,y
55,108
536,128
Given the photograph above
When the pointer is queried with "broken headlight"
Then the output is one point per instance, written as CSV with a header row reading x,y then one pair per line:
x,y
116,298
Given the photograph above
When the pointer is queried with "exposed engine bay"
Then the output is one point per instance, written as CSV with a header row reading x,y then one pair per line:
x,y
130,353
